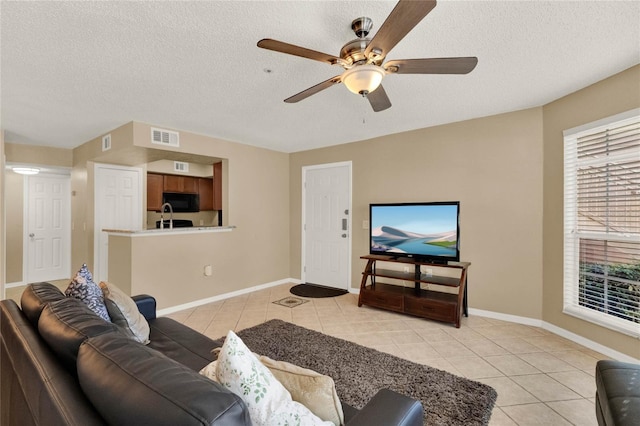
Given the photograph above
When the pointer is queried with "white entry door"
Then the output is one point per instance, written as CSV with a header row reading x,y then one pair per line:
x,y
326,235
48,228
118,205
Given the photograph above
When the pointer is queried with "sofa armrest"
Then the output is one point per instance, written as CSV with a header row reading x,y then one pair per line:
x,y
146,305
389,408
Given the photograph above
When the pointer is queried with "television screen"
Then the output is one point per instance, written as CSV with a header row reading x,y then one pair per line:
x,y
428,231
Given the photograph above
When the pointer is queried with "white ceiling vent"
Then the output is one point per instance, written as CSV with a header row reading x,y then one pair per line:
x,y
180,166
106,142
165,137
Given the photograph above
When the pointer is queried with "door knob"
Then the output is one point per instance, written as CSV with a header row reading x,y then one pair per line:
x,y
31,235
344,235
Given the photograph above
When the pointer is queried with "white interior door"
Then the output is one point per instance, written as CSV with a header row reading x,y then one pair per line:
x,y
326,230
48,228
118,192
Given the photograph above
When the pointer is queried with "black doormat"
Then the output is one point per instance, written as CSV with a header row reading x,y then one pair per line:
x,y
316,291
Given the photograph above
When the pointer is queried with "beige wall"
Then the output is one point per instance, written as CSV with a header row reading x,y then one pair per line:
x,y
171,267
42,155
2,216
82,190
255,200
611,96
492,165
166,167
14,196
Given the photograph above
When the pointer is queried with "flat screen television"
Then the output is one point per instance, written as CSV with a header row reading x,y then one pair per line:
x,y
427,231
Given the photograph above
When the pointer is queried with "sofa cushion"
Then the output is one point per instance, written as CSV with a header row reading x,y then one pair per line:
x,y
315,391
130,383
83,288
118,318
269,403
36,388
181,343
65,324
35,297
123,307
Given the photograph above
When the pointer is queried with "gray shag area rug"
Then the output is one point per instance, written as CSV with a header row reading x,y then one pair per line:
x,y
359,373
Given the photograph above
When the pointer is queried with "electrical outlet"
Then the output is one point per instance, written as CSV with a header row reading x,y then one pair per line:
x,y
365,224
407,269
429,272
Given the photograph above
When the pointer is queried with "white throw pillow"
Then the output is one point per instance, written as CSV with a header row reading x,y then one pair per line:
x,y
269,403
315,391
136,322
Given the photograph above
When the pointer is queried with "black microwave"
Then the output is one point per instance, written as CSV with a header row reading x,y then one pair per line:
x,y
182,202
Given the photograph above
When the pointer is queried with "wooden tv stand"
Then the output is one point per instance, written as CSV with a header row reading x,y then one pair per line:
x,y
422,302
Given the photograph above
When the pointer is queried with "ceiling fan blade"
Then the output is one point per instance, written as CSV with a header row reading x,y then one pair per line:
x,y
313,90
379,100
292,49
463,65
406,15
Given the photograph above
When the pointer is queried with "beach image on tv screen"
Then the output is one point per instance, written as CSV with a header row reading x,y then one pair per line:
x,y
429,230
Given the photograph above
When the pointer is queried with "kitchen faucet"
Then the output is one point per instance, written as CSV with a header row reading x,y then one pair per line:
x,y
162,216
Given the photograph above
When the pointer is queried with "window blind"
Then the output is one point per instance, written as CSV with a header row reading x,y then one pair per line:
x,y
602,225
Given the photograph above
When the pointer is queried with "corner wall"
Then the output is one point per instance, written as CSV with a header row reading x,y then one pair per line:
x,y
492,165
255,201
608,97
3,225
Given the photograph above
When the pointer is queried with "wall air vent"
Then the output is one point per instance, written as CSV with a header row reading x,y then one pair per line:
x,y
180,166
165,137
106,142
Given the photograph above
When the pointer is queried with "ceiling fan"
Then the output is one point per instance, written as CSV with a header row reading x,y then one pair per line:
x,y
362,58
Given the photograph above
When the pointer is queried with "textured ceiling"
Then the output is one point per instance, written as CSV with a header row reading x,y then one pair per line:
x,y
72,71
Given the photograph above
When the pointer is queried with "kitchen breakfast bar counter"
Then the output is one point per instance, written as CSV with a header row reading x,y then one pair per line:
x,y
168,231
178,266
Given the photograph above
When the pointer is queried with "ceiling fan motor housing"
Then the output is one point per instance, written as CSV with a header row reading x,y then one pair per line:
x,y
353,51
361,26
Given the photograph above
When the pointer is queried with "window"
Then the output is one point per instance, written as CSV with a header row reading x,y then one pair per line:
x,y
602,222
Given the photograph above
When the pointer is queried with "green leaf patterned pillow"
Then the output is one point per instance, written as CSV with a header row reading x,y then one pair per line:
x,y
268,401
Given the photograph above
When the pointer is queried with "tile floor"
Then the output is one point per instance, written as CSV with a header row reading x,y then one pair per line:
x,y
541,378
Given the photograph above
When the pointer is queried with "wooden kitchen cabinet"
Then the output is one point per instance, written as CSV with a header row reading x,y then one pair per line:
x,y
205,189
155,185
181,184
217,186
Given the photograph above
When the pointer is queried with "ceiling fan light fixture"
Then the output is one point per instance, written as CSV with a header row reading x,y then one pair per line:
x,y
363,79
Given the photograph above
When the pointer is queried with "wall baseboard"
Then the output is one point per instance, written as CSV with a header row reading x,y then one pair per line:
x,y
611,353
576,338
506,317
196,303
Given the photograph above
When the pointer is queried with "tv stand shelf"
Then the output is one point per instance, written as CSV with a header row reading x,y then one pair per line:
x,y
426,303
